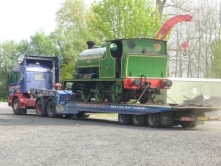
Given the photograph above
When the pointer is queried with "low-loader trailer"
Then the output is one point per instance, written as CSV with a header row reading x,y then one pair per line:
x,y
35,84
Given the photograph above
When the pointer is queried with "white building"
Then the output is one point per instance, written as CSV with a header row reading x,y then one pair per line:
x,y
188,88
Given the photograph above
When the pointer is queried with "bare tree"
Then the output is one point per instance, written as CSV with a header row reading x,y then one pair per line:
x,y
199,33
160,4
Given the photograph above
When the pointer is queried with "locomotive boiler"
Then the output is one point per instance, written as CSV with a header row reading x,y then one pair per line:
x,y
120,70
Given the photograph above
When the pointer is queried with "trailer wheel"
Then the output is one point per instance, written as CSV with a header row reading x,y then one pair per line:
x,y
138,120
40,109
188,124
51,109
153,120
16,107
124,119
193,125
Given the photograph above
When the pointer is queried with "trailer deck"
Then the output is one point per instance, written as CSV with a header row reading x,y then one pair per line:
x,y
64,102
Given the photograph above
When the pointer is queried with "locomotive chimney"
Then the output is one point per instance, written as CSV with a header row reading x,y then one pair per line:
x,y
90,44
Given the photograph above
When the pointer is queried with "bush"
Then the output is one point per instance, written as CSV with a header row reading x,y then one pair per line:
x,y
3,100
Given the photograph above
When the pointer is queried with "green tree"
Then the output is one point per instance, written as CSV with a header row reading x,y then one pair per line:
x,y
71,33
124,19
41,44
8,59
216,59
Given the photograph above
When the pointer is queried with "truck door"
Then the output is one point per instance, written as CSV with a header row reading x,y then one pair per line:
x,y
14,82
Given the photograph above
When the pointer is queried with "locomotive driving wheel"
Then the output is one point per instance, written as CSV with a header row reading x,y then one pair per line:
x,y
117,92
100,95
86,95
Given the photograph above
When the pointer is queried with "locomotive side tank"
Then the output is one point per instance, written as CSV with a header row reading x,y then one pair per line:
x,y
121,70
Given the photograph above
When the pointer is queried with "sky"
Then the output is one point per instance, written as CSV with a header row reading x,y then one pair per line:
x,y
20,19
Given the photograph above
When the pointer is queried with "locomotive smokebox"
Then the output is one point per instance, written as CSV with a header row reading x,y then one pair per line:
x,y
90,44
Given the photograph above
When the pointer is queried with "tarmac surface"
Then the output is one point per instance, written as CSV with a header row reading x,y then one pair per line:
x,y
31,140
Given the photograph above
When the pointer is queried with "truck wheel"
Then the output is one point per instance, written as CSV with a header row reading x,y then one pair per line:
x,y
16,107
51,109
138,120
124,119
40,109
153,120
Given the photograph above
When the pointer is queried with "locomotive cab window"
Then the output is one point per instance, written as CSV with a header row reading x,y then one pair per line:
x,y
116,48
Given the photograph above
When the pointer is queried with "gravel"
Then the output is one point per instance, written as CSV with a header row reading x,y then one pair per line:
x,y
31,140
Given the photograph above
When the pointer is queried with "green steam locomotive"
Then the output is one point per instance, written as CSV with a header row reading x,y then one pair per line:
x,y
120,70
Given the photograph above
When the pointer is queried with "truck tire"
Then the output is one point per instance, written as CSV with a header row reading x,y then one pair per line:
x,y
153,120
138,120
40,108
51,109
124,119
16,107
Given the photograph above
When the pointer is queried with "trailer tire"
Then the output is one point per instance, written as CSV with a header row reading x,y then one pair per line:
x,y
154,120
138,120
40,108
193,125
124,119
188,124
16,107
51,109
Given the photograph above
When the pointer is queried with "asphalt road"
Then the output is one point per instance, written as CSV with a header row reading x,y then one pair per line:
x,y
31,140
